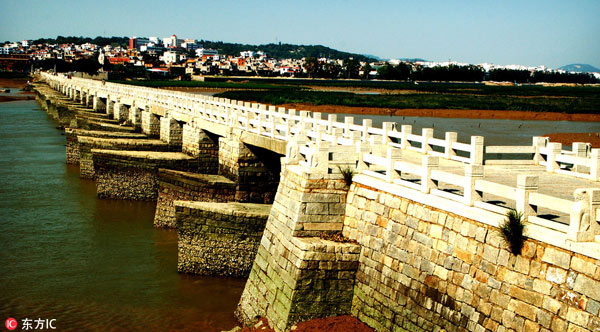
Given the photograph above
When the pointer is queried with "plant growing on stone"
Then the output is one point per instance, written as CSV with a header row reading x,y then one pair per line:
x,y
512,231
348,173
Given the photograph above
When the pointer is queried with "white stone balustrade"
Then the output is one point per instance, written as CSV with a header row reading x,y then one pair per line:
x,y
321,145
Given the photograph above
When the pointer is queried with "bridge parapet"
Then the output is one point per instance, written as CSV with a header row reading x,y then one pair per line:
x,y
439,167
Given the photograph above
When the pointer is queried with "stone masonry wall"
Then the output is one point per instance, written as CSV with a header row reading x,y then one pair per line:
x,y
134,174
71,134
171,131
86,144
298,278
177,185
219,238
199,144
150,124
422,269
255,182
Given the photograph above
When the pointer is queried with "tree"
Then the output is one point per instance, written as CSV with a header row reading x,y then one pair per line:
x,y
311,64
366,70
351,68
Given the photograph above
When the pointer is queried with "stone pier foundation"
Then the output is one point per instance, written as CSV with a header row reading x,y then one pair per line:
x,y
219,238
134,174
255,181
171,132
177,185
198,143
296,278
150,124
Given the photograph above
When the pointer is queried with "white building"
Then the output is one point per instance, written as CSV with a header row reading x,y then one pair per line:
x,y
206,51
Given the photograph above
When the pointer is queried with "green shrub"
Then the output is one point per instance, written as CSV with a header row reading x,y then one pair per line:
x,y
347,173
512,231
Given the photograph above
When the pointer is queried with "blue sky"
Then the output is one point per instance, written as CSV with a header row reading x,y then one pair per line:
x,y
550,32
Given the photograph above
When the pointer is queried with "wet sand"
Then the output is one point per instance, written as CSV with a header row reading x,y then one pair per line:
x,y
14,98
569,138
18,83
329,324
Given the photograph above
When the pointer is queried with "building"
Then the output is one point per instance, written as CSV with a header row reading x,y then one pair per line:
x,y
137,42
172,42
201,52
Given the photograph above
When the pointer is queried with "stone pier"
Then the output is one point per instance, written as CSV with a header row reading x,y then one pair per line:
x,y
296,275
219,238
71,134
177,185
134,174
87,144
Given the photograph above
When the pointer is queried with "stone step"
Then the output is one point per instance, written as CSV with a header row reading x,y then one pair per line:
x,y
177,185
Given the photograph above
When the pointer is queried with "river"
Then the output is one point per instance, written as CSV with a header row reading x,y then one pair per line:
x,y
91,264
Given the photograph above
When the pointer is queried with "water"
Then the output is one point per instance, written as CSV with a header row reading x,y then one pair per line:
x,y
495,131
90,264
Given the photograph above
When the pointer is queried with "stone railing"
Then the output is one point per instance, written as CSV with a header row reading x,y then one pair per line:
x,y
320,145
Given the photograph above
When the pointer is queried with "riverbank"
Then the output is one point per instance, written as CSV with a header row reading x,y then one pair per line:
x,y
446,113
330,324
569,138
15,83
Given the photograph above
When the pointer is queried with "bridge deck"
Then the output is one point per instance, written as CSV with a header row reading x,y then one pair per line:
x,y
551,184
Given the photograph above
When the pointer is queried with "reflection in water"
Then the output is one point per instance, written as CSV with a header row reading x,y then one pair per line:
x,y
91,264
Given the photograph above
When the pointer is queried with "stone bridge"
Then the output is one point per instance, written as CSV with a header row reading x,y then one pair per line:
x,y
421,212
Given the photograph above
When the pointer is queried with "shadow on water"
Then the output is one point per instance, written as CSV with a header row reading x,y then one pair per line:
x,y
90,264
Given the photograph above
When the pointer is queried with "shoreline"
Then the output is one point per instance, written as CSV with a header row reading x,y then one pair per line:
x,y
14,83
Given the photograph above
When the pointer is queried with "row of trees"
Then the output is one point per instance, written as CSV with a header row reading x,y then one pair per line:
x,y
100,41
405,71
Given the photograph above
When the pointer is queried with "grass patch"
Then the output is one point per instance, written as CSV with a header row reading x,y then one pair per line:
x,y
435,87
512,231
348,174
586,103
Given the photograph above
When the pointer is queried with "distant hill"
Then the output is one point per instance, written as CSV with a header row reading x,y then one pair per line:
x,y
374,57
284,51
580,68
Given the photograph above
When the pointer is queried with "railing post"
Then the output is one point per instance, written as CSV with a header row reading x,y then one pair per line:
x,y
331,118
366,124
526,184
348,121
450,138
426,134
316,119
476,150
386,127
322,157
337,134
472,174
406,130
429,163
554,149
595,165
579,151
363,148
393,154
538,144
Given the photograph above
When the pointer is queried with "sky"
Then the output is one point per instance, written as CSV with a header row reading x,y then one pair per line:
x,y
550,32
